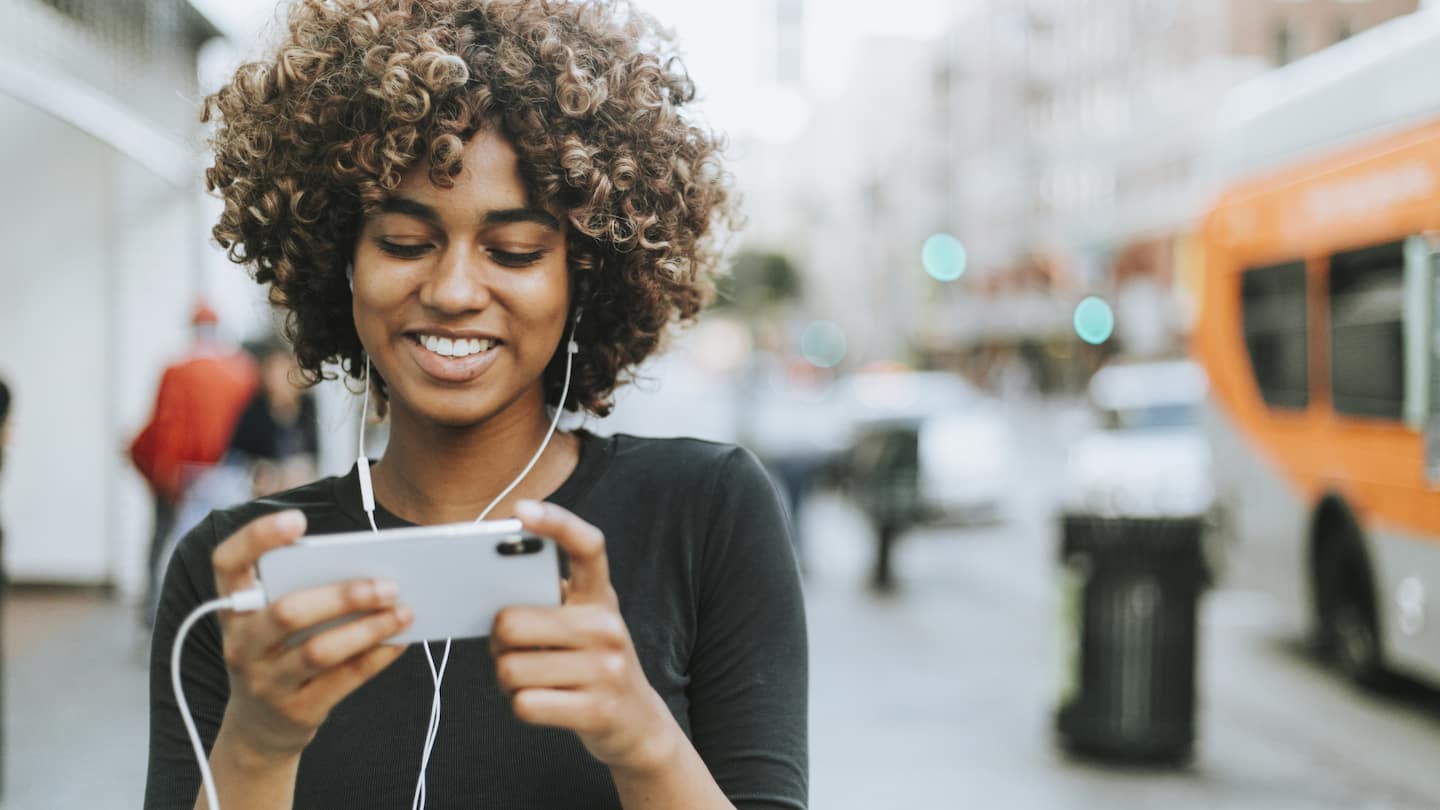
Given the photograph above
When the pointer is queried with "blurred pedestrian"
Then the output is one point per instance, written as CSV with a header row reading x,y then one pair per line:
x,y
4,421
278,434
197,405
4,440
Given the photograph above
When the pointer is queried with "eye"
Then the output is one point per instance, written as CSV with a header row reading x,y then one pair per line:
x,y
400,251
508,259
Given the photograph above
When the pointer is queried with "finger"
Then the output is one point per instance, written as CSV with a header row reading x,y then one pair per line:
x,y
569,627
234,559
327,689
583,543
561,708
331,648
301,610
557,670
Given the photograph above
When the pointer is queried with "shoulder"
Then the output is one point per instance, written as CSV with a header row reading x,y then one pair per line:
x,y
682,460
702,475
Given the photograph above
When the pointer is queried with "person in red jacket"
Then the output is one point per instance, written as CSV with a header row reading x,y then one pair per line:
x,y
196,407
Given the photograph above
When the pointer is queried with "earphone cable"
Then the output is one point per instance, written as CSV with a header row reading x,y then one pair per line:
x,y
242,601
438,674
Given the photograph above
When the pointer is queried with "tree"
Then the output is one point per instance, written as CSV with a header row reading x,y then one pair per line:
x,y
759,283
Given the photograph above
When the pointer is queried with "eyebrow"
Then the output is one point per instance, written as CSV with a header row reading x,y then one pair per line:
x,y
511,216
410,208
504,216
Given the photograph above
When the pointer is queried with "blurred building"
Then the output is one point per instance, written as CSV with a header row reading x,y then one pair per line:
x,y
102,245
1079,153
876,162
852,196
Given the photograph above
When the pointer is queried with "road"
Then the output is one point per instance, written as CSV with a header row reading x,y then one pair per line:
x,y
940,695
936,696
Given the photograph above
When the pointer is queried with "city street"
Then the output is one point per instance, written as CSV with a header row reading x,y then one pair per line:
x,y
1175,262
937,696
940,695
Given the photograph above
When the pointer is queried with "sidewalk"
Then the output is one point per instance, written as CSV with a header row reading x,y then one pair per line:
x,y
76,700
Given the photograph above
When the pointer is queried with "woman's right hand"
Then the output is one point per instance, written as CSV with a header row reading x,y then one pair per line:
x,y
281,692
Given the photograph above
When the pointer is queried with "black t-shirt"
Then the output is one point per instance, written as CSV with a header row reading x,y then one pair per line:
x,y
708,586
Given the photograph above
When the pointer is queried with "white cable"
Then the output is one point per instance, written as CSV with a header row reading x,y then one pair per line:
x,y
436,676
253,599
570,351
242,602
367,497
362,462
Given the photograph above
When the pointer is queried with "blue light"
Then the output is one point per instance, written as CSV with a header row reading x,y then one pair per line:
x,y
823,344
944,257
1094,321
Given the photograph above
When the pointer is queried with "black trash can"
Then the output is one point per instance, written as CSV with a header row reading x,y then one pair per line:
x,y
1131,593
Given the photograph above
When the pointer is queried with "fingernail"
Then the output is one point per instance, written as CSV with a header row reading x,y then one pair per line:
x,y
529,510
386,589
404,614
291,521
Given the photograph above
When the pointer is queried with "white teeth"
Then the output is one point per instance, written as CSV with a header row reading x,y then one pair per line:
x,y
456,347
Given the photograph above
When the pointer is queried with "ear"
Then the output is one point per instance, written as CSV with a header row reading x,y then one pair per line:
x,y
582,291
350,275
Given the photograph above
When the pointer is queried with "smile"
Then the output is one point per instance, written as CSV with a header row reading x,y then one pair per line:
x,y
453,360
455,347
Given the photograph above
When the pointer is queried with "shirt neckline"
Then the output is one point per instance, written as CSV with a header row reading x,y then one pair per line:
x,y
595,454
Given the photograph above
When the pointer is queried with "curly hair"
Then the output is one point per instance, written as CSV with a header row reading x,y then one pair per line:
x,y
312,139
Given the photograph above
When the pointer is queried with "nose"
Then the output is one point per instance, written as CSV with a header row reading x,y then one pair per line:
x,y
457,283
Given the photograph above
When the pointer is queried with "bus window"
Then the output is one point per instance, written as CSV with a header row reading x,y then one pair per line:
x,y
1367,333
1274,320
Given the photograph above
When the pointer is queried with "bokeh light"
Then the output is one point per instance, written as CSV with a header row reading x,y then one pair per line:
x,y
1094,321
823,344
944,257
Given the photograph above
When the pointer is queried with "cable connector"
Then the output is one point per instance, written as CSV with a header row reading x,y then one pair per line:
x,y
248,600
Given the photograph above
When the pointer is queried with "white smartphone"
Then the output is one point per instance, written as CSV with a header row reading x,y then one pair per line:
x,y
455,577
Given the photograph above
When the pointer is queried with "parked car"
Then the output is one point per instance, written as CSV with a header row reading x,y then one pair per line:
x,y
1148,455
925,447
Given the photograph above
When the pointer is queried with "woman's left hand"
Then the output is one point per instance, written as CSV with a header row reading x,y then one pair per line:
x,y
574,666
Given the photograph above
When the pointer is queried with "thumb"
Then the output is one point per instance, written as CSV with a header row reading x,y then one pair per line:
x,y
589,580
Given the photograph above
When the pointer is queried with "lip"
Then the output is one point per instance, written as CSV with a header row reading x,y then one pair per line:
x,y
440,331
451,370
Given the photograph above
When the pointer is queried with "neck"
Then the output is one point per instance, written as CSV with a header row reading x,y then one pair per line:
x,y
437,474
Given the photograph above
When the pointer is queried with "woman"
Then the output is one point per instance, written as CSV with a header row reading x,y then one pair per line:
x,y
433,189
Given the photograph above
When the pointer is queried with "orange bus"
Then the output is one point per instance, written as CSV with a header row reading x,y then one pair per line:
x,y
1318,328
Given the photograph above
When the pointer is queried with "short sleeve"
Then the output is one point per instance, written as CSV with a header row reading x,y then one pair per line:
x,y
173,777
749,669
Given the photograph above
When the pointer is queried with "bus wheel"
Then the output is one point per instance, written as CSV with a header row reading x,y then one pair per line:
x,y
1348,621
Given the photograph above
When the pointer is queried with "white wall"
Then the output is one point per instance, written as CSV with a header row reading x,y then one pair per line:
x,y
55,340
100,263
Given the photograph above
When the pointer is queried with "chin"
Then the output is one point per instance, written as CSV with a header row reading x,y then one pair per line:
x,y
459,408
456,413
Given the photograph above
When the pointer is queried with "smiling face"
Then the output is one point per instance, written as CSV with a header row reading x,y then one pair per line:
x,y
461,294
